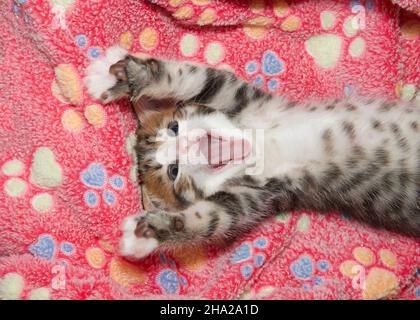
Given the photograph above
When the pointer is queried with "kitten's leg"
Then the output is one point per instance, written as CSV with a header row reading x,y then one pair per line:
x,y
142,234
184,81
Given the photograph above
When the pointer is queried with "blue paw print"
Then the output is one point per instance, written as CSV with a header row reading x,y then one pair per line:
x,y
273,84
258,81
91,198
246,271
260,243
271,65
323,265
302,268
259,260
94,52
109,197
95,176
81,40
251,67
245,251
44,247
242,253
67,248
170,281
317,281
117,182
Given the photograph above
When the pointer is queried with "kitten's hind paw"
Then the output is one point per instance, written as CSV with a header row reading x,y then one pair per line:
x,y
138,239
104,77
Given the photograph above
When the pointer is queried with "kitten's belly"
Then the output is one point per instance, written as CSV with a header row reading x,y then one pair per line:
x,y
308,141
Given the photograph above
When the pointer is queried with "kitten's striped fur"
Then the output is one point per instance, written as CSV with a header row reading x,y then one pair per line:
x,y
358,156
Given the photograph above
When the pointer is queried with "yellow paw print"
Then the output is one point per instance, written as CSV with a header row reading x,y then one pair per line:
x,y
256,28
123,272
375,282
67,88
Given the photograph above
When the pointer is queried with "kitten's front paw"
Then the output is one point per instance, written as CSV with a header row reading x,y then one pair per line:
x,y
103,82
138,239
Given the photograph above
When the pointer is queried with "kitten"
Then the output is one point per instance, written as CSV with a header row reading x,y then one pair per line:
x,y
356,156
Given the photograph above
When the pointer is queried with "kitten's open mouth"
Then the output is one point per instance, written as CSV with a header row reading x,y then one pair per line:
x,y
221,151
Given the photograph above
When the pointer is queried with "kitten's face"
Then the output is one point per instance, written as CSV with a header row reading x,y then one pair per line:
x,y
186,153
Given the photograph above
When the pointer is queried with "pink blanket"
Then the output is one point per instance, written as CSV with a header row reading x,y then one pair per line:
x,y
68,174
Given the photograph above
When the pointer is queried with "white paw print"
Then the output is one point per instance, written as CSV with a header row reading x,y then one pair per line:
x,y
45,173
12,287
326,48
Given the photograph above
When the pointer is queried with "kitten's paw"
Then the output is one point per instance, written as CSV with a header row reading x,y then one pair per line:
x,y
100,78
138,239
118,70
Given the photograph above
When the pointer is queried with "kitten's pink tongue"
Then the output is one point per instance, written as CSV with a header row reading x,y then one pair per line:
x,y
221,150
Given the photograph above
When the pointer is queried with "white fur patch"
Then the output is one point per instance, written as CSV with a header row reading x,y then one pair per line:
x,y
130,245
98,79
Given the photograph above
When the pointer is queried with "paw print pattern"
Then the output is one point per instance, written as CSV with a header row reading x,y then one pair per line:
x,y
257,28
83,43
95,177
305,269
12,287
271,65
247,251
148,39
45,247
67,88
372,273
102,256
169,279
326,48
213,53
45,172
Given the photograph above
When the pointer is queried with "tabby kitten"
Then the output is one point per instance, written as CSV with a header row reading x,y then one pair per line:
x,y
356,156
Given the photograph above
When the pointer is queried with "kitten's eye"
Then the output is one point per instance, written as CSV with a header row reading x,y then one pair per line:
x,y
173,127
172,171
